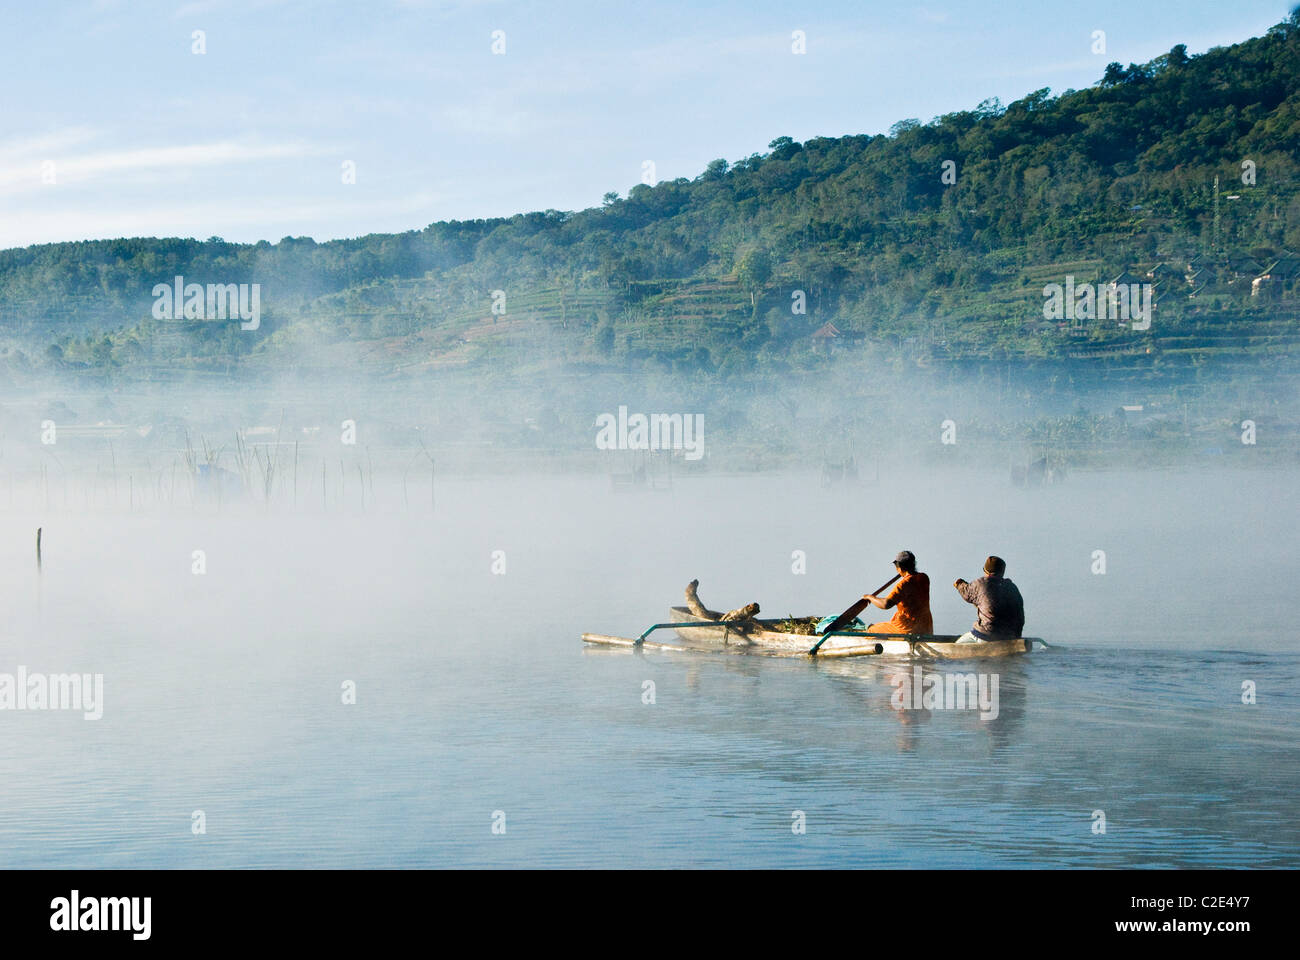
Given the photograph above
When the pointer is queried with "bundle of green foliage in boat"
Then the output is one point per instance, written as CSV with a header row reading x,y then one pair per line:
x,y
802,625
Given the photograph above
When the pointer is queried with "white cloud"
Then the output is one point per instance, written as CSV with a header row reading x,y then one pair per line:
x,y
21,162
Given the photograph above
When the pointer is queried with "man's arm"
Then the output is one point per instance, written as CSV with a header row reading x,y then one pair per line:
x,y
964,589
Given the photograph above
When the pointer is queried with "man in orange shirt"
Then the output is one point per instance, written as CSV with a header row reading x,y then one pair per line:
x,y
910,597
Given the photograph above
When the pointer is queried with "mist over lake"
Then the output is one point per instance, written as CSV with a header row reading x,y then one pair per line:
x,y
473,694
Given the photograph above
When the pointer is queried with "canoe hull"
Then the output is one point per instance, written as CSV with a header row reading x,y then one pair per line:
x,y
759,637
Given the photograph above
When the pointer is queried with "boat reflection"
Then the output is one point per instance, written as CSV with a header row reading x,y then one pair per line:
x,y
911,693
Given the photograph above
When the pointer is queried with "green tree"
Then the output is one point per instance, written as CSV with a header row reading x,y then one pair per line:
x,y
753,270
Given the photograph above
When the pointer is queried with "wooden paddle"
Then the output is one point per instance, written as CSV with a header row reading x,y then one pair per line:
x,y
845,618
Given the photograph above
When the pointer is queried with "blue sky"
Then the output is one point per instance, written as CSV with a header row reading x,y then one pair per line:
x,y
143,137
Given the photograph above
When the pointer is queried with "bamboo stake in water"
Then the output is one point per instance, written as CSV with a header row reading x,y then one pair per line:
x,y
432,471
40,579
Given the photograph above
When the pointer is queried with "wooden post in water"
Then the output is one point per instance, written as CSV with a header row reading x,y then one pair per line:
x,y
40,580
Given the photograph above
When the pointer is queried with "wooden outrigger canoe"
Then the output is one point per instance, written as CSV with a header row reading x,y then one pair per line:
x,y
845,643
759,636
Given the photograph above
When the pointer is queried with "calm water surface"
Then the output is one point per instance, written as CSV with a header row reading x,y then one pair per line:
x,y
474,694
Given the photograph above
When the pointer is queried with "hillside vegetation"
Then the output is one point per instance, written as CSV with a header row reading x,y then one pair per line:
x,y
930,245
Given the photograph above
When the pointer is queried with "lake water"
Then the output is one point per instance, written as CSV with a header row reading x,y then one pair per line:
x,y
477,704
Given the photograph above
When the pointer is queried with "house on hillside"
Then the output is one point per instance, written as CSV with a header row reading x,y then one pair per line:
x,y
1126,279
1166,278
1204,280
1278,277
826,337
1238,266
1166,271
1124,289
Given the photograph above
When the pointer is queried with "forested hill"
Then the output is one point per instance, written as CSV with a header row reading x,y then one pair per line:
x,y
936,241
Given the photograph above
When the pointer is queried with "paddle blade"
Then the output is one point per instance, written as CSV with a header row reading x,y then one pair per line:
x,y
845,618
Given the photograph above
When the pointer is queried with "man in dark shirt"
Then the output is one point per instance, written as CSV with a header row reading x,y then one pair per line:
x,y
1000,608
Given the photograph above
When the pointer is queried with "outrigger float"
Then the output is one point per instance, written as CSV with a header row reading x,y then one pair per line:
x,y
737,632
